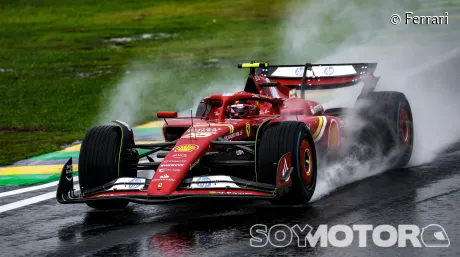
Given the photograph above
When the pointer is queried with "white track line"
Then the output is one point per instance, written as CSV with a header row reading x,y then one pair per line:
x,y
33,188
32,200
22,203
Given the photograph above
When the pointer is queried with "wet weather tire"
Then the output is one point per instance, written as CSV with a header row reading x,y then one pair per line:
x,y
99,162
279,139
388,127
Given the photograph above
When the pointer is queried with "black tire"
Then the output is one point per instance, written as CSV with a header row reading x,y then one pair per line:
x,y
98,162
279,139
389,126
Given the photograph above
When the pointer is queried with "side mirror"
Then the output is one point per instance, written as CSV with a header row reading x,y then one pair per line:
x,y
165,115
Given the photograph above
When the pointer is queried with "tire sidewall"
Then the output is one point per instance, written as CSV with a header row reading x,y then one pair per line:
x,y
298,184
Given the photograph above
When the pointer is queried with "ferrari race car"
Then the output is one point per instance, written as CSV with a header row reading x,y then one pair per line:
x,y
261,143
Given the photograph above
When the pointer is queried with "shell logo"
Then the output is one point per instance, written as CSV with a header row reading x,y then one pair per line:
x,y
185,148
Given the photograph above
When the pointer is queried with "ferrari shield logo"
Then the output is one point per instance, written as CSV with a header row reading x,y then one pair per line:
x,y
248,129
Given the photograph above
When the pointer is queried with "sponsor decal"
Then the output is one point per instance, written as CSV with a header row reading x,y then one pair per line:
x,y
239,152
216,113
316,109
135,186
208,129
198,134
166,161
248,129
219,126
299,71
210,182
233,135
194,164
185,148
179,155
337,70
126,183
227,94
168,169
171,165
162,179
206,182
329,70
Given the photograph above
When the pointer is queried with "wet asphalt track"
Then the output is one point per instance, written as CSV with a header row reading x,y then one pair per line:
x,y
419,195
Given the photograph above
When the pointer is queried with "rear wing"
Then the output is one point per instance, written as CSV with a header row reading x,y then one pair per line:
x,y
297,71
302,77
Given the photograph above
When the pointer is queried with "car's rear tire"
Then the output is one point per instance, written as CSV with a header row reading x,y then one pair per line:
x,y
99,162
388,125
279,139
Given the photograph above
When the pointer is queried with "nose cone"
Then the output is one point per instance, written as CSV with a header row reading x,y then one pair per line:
x,y
176,165
189,150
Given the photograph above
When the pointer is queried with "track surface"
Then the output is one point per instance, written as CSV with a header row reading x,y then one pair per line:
x,y
421,195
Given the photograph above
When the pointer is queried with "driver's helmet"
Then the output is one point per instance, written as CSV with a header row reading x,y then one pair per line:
x,y
242,109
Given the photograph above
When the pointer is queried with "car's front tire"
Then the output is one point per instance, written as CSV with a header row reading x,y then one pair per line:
x,y
279,139
99,162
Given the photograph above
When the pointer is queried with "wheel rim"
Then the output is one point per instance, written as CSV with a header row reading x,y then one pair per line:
x,y
306,164
404,127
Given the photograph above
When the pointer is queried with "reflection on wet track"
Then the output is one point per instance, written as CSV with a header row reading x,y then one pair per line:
x,y
419,195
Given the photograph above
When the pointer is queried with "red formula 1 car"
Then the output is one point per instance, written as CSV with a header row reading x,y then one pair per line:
x,y
261,143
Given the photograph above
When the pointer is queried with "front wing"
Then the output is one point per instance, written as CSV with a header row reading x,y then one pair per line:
x,y
135,189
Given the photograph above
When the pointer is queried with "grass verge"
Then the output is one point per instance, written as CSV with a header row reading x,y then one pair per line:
x,y
61,63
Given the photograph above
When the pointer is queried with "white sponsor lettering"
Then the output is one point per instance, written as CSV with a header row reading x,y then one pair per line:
x,y
169,161
171,165
168,169
233,135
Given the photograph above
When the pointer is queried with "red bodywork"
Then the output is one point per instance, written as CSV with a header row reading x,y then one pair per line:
x,y
195,135
190,148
